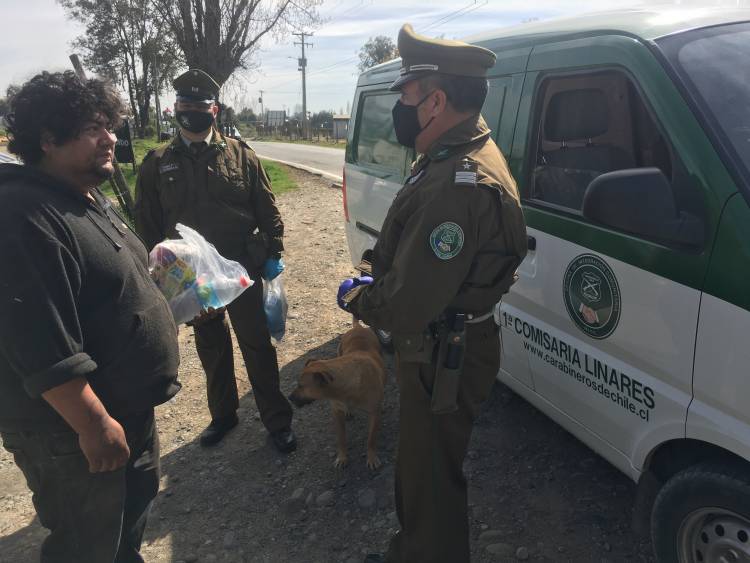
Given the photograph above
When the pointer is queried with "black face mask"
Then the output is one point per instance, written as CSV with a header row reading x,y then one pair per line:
x,y
195,121
406,122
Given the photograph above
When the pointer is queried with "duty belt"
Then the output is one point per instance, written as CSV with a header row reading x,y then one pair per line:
x,y
469,318
472,319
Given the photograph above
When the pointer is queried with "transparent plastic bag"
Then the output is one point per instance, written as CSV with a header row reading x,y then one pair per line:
x,y
275,306
193,276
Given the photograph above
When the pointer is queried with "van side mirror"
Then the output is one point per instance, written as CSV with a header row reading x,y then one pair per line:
x,y
640,201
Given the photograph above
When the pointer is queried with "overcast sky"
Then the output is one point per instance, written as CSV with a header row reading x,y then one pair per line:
x,y
37,37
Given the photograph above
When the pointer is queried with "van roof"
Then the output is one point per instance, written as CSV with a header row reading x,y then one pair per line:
x,y
643,23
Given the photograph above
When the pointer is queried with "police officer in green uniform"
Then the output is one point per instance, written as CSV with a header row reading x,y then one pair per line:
x,y
217,186
447,252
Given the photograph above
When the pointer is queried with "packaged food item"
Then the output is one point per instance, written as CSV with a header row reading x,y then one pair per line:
x,y
193,276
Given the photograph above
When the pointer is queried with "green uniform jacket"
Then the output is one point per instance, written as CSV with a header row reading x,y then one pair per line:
x,y
223,193
452,239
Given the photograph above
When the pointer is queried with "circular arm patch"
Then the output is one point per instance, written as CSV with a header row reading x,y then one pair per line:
x,y
447,240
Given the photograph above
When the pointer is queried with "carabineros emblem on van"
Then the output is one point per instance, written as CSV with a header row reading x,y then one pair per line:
x,y
592,295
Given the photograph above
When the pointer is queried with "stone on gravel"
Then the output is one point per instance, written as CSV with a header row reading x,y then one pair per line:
x,y
522,553
325,499
501,549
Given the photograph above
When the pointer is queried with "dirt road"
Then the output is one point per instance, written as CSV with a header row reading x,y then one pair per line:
x,y
536,493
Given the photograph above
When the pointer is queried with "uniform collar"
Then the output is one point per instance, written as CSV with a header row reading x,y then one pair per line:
x,y
207,140
470,130
215,139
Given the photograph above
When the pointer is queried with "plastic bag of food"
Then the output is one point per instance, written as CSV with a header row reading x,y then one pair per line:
x,y
275,306
193,276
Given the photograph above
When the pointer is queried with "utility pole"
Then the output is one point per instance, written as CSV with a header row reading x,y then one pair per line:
x,y
262,112
302,67
157,107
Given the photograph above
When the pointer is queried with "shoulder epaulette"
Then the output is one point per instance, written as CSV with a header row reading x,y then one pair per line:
x,y
466,172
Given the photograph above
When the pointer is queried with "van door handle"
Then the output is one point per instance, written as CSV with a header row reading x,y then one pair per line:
x,y
531,242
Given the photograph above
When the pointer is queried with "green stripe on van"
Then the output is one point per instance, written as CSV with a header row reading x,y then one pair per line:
x,y
680,267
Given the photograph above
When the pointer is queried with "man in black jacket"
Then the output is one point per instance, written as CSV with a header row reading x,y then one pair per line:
x,y
88,345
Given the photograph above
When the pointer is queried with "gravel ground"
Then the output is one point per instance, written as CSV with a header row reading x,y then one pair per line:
x,y
536,493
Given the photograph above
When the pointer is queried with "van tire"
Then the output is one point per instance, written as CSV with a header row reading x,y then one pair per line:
x,y
699,506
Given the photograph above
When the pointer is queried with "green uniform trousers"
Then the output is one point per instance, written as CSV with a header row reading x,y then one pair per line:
x,y
214,344
431,493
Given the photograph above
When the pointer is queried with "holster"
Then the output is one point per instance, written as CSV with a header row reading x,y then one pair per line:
x,y
257,248
450,362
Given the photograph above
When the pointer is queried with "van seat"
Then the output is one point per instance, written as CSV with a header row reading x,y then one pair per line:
x,y
575,116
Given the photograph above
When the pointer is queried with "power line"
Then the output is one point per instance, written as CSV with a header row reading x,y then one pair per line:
x,y
453,15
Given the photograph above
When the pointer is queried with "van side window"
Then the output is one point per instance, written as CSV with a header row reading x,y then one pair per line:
x,y
588,125
376,140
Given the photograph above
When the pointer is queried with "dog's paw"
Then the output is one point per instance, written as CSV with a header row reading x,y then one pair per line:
x,y
341,461
373,462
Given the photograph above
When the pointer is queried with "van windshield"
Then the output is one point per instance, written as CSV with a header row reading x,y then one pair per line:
x,y
713,64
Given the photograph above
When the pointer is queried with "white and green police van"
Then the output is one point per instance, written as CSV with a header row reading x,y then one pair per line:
x,y
629,136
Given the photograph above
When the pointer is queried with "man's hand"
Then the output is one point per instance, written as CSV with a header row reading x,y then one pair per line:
x,y
104,445
347,285
100,436
272,268
206,315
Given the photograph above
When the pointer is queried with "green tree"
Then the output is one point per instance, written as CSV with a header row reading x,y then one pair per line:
x,y
324,118
377,50
124,40
247,115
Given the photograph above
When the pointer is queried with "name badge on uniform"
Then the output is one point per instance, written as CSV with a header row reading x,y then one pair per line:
x,y
466,173
168,167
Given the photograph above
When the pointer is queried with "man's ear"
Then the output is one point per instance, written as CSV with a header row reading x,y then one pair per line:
x,y
439,102
46,140
323,378
215,110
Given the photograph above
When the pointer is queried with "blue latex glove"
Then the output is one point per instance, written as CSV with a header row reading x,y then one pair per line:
x,y
347,285
272,268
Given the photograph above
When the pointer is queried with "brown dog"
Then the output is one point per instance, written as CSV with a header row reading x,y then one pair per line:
x,y
353,380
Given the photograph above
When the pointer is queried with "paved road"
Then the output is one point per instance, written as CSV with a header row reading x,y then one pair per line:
x,y
329,161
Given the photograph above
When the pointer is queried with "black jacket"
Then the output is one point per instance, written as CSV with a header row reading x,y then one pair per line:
x,y
76,300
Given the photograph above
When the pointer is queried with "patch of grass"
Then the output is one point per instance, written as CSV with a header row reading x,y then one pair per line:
x,y
140,149
281,181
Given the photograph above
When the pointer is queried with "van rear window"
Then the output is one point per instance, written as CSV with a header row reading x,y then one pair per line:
x,y
376,139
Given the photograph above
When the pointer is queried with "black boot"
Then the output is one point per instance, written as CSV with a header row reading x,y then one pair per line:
x,y
284,440
216,431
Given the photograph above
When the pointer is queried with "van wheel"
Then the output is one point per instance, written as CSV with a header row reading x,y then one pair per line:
x,y
702,515
386,339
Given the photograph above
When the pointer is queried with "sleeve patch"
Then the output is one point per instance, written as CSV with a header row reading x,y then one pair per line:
x,y
447,240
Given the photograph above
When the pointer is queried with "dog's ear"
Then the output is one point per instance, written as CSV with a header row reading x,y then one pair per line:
x,y
323,378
